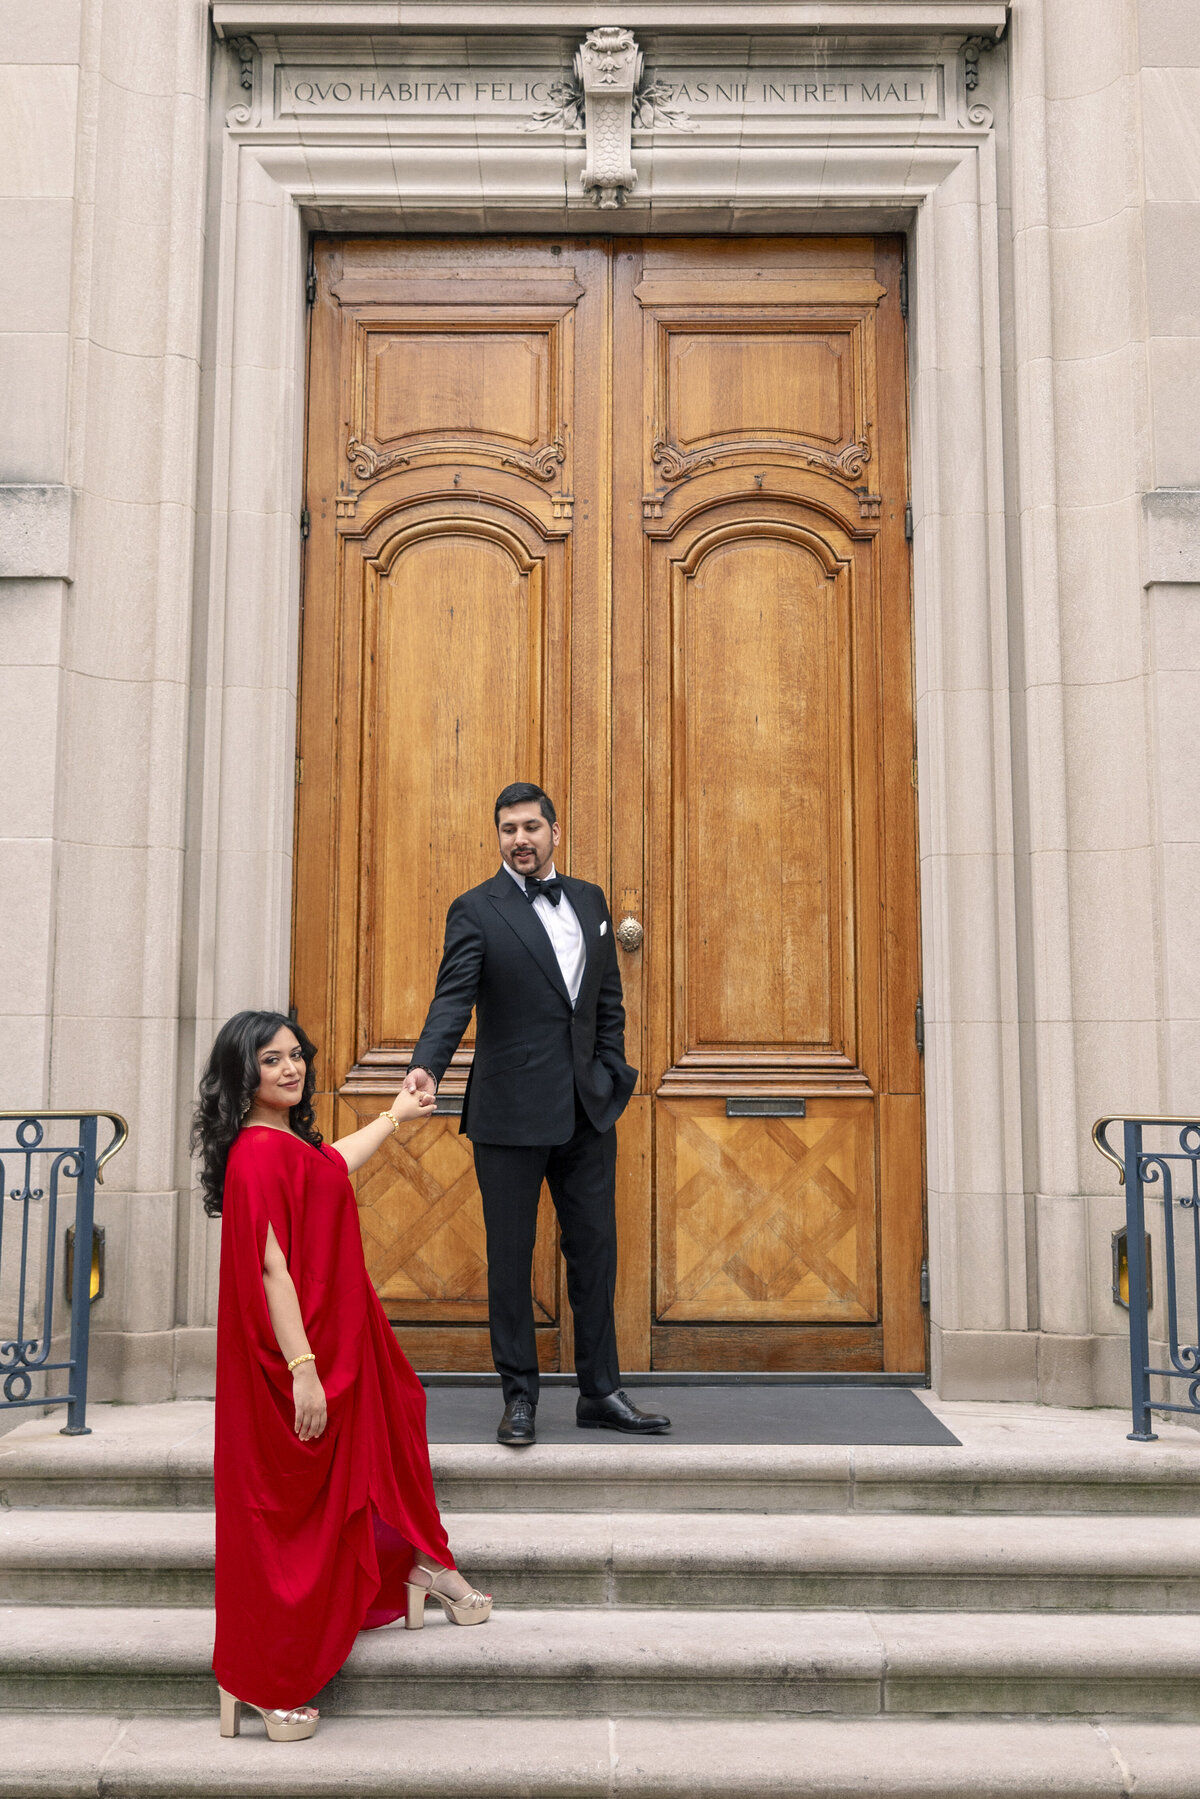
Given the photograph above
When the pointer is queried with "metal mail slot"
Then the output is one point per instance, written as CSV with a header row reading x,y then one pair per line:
x,y
449,1106
769,1107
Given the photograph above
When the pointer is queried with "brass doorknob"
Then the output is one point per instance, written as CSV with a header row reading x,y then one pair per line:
x,y
630,933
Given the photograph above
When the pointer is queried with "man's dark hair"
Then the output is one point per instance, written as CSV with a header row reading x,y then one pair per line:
x,y
519,793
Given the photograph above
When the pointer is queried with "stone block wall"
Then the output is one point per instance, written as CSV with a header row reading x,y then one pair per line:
x,y
146,727
103,129
1103,469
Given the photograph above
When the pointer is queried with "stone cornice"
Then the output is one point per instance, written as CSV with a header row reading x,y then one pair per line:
x,y
979,18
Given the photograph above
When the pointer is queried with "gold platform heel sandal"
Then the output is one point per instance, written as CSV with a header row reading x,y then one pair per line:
x,y
472,1608
282,1727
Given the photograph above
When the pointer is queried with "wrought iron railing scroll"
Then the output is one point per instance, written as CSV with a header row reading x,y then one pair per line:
x,y
1168,1176
41,1156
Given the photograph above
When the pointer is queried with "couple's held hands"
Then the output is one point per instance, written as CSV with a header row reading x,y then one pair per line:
x,y
414,1101
419,1081
311,1412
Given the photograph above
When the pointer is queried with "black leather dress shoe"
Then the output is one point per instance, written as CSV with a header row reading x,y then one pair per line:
x,y
616,1411
516,1428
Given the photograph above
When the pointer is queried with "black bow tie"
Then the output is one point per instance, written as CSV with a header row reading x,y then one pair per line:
x,y
535,889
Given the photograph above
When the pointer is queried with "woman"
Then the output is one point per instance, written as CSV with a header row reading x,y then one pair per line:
x,y
326,1519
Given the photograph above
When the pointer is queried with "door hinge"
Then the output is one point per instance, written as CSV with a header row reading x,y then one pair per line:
x,y
904,289
915,771
924,1283
919,1025
299,770
908,523
310,281
304,522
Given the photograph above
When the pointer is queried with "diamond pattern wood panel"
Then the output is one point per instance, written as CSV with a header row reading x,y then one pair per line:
x,y
422,1226
766,1220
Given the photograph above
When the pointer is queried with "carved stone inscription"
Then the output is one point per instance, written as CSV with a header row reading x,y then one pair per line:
x,y
823,92
681,96
338,91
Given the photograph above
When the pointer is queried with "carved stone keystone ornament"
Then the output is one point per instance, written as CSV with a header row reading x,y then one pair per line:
x,y
609,96
608,65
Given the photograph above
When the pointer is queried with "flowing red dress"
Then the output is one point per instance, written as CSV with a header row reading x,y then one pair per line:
x,y
313,1539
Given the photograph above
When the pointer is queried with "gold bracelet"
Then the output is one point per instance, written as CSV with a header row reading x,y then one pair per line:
x,y
297,1359
392,1120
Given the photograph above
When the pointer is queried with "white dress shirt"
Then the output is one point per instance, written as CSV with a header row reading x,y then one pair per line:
x,y
563,929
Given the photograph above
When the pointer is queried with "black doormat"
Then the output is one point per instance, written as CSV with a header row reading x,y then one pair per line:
x,y
724,1414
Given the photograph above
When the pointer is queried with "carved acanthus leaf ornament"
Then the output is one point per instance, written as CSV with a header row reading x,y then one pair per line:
x,y
848,463
653,106
542,465
369,464
673,464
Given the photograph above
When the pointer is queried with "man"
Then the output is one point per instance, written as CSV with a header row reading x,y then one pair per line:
x,y
532,951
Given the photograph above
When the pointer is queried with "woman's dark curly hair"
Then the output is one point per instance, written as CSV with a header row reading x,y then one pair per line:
x,y
231,1078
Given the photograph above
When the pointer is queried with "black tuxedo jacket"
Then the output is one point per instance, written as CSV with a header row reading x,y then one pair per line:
x,y
533,1050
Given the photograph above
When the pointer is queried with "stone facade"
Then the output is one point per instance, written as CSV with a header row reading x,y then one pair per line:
x,y
161,168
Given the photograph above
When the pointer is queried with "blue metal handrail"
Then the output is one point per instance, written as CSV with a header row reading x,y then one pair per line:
x,y
28,1353
1178,1171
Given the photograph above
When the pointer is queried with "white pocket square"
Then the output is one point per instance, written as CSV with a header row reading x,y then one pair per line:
x,y
603,926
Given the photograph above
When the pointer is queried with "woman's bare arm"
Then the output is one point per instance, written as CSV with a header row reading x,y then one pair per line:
x,y
360,1146
292,1338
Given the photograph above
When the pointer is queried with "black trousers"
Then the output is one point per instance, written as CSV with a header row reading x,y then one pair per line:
x,y
581,1176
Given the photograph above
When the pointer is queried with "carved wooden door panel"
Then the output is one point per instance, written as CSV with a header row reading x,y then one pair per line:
x,y
628,519
763,693
450,645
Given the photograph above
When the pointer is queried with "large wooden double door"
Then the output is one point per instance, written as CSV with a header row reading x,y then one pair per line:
x,y
626,518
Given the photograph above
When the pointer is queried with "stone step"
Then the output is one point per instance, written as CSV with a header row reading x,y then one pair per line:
x,y
655,1476
820,1561
107,1757
641,1663
1020,1459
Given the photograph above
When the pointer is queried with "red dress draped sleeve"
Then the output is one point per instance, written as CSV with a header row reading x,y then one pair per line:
x,y
313,1539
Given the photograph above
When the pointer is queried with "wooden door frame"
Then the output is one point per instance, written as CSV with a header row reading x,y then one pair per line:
x,y
940,188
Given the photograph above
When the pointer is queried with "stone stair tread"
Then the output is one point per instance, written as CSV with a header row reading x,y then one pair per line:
x,y
640,1643
672,1621
504,1758
96,1539
1011,1458
815,1542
